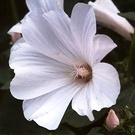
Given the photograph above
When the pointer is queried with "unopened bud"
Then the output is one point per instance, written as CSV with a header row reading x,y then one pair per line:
x,y
15,36
112,121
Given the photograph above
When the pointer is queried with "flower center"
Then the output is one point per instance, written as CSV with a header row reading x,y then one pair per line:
x,y
83,72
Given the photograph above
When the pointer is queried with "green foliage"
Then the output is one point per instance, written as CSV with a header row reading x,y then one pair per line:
x,y
131,63
128,15
126,115
72,118
63,130
95,131
126,127
126,98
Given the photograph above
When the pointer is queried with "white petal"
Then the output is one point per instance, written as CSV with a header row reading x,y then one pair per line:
x,y
110,19
46,5
83,26
81,103
35,74
45,40
15,29
48,110
106,85
107,4
23,55
100,47
60,23
101,92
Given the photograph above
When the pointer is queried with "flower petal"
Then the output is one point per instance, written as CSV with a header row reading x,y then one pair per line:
x,y
60,23
48,110
106,85
35,74
101,46
83,26
45,40
23,55
15,29
112,20
81,103
101,92
46,5
108,4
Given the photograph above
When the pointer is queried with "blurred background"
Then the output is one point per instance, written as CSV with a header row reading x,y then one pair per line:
x,y
12,120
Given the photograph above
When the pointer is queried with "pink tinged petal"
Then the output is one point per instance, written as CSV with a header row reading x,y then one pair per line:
x,y
15,37
48,110
45,40
101,46
112,120
35,74
15,32
15,29
83,26
46,5
101,92
109,18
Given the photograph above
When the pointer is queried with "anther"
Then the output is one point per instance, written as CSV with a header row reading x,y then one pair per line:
x,y
83,72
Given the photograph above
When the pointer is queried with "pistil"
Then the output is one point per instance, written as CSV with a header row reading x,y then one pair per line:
x,y
83,72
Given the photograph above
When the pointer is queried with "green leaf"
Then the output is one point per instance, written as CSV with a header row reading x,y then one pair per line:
x,y
128,15
4,74
94,131
72,118
6,86
100,115
63,130
131,62
126,98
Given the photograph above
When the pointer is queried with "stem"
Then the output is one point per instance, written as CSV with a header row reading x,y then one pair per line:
x,y
14,10
131,61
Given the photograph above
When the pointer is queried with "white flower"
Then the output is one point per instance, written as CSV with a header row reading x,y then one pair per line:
x,y
107,15
59,60
46,5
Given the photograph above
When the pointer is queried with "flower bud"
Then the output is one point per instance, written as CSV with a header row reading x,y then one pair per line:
x,y
15,36
112,120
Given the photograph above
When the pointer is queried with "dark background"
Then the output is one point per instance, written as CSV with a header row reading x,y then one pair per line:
x,y
11,11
